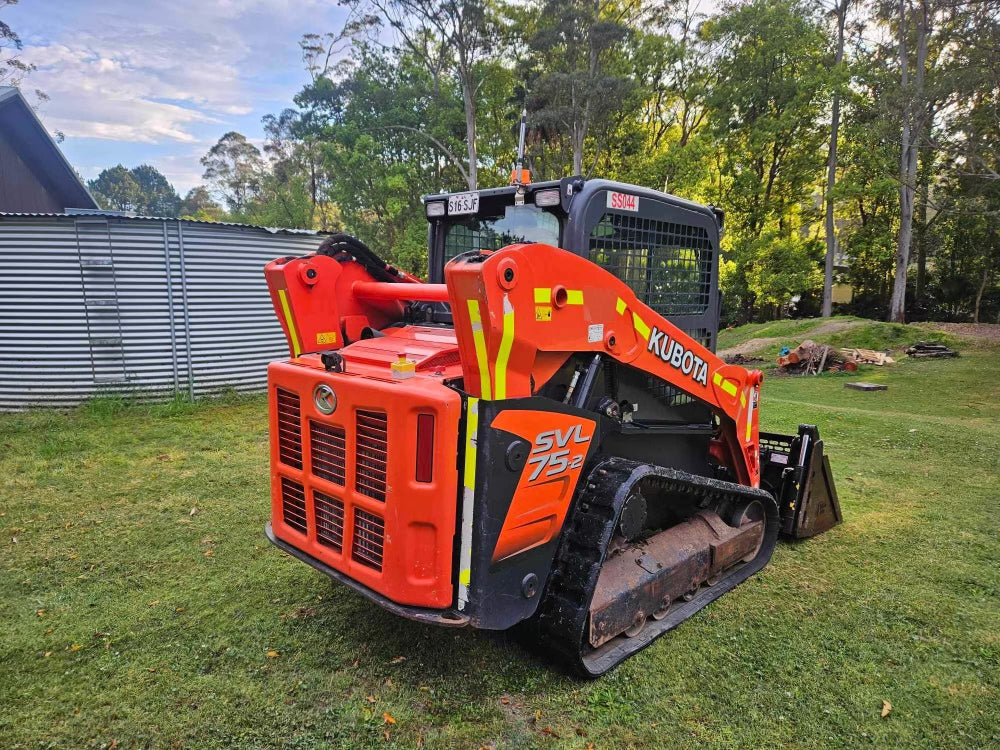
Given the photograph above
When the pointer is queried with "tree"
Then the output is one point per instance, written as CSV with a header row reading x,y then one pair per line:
x,y
157,195
198,204
911,133
765,109
448,37
13,68
234,169
116,189
672,69
141,190
579,89
840,10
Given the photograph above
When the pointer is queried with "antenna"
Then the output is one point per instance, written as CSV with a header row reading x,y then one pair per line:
x,y
519,178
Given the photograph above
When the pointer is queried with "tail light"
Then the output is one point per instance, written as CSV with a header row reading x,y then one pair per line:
x,y
425,447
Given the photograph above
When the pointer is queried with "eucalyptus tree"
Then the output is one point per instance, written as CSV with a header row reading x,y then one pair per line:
x,y
765,111
581,83
234,169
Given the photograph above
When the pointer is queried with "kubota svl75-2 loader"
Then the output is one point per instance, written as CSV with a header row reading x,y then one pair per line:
x,y
542,433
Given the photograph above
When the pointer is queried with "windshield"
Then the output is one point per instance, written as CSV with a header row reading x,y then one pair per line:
x,y
518,224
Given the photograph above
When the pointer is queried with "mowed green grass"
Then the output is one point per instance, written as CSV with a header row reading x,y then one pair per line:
x,y
128,620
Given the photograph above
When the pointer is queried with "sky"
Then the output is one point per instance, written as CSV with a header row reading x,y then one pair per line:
x,y
145,81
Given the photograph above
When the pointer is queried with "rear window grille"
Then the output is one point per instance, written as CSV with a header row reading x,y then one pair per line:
x,y
369,539
289,429
328,448
293,504
372,445
329,520
667,393
667,265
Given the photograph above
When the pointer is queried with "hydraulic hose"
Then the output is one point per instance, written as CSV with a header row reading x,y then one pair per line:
x,y
339,245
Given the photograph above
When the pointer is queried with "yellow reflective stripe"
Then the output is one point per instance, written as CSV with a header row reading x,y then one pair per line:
x,y
480,341
743,399
574,296
640,326
620,306
296,349
471,429
506,341
543,295
469,480
727,385
749,424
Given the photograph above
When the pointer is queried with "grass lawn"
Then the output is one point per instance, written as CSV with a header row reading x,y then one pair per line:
x,y
132,619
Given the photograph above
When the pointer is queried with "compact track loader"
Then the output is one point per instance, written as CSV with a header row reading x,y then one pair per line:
x,y
541,435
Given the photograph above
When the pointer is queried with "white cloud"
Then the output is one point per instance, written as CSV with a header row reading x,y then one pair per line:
x,y
143,72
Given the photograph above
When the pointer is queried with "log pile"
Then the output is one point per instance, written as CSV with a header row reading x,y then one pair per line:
x,y
929,349
810,358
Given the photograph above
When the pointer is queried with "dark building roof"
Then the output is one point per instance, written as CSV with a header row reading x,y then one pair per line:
x,y
34,174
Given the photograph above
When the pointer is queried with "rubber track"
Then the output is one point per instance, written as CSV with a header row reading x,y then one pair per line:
x,y
562,620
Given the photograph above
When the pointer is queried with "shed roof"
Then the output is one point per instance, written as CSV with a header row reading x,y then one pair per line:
x,y
131,217
21,125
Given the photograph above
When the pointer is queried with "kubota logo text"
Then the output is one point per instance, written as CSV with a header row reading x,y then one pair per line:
x,y
676,355
553,452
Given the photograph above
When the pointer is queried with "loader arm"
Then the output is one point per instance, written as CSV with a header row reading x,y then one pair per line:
x,y
520,312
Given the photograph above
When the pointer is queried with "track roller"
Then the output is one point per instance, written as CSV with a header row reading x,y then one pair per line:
x,y
611,596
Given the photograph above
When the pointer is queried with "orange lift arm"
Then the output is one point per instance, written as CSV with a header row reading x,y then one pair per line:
x,y
520,312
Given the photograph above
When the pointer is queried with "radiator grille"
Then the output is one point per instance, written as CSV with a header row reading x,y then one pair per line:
x,y
328,449
370,460
329,520
293,504
289,429
369,538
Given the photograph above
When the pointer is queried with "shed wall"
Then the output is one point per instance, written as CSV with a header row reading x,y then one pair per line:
x,y
94,304
20,187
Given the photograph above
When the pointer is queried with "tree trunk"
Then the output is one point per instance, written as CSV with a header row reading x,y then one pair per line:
x,y
469,98
979,293
925,173
831,170
908,154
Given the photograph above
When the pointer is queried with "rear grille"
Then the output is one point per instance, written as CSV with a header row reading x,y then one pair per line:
x,y
329,520
293,504
328,450
369,536
371,454
289,429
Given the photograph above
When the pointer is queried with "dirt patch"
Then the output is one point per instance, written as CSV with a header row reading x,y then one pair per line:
x,y
747,347
834,326
750,346
990,331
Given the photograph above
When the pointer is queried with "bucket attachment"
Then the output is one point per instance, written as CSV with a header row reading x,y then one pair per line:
x,y
797,471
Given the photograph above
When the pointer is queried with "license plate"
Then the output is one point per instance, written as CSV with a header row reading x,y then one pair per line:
x,y
463,203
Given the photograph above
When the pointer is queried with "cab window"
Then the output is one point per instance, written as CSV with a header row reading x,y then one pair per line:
x,y
518,224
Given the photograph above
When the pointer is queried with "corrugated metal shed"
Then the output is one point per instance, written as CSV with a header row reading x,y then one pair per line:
x,y
99,302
